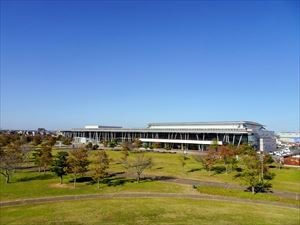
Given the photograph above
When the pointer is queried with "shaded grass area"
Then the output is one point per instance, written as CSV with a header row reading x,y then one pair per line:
x,y
26,184
243,194
149,211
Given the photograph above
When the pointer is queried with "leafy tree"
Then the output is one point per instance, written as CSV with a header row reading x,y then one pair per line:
x,y
10,157
139,164
89,146
227,156
66,140
156,145
126,147
146,145
209,160
214,145
37,139
60,165
36,155
102,164
113,143
78,163
46,157
255,172
95,147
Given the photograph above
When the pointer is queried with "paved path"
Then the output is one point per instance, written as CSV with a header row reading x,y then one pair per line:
x,y
140,195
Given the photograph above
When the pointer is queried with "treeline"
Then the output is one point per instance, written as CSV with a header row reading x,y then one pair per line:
x,y
249,165
13,154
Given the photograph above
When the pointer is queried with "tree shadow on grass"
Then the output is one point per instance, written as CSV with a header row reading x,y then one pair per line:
x,y
194,170
38,177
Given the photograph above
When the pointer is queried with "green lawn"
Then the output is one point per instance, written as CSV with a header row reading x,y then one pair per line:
x,y
32,185
149,211
287,179
246,195
27,184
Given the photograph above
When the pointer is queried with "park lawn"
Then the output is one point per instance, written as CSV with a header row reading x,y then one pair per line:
x,y
149,211
245,195
26,184
287,179
168,164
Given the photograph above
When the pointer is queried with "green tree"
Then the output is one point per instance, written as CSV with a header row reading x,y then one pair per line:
x,y
227,156
36,155
45,157
100,170
214,145
126,147
255,170
37,139
78,163
10,157
156,145
89,146
209,160
60,165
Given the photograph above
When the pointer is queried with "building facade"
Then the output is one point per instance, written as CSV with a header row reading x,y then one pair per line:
x,y
197,136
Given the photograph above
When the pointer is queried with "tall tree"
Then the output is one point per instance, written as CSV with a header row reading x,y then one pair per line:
x,y
100,170
78,163
227,156
255,172
126,147
139,164
10,157
60,165
36,155
45,157
214,145
209,160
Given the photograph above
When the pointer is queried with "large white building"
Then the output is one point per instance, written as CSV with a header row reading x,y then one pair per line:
x,y
184,135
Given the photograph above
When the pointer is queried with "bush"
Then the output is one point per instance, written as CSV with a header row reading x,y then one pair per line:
x,y
95,147
261,187
219,169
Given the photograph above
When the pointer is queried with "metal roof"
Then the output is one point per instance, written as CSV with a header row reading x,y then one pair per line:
x,y
147,130
204,123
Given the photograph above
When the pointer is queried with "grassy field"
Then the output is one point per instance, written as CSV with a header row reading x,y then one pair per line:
x,y
287,179
246,195
32,184
28,184
149,211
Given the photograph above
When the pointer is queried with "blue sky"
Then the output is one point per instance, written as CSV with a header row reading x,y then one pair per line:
x,y
65,64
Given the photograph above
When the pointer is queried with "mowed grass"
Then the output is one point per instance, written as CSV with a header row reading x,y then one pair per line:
x,y
245,195
28,184
167,164
149,211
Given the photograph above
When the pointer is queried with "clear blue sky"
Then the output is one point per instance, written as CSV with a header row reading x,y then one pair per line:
x,y
65,64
